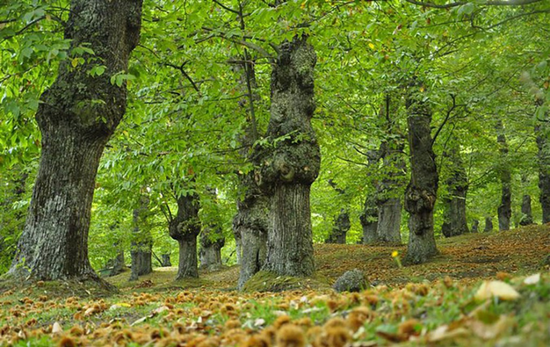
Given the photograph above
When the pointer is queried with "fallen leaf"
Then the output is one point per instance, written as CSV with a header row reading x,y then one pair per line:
x,y
499,289
56,328
444,333
533,279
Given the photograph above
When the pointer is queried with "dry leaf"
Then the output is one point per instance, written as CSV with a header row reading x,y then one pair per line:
x,y
444,333
533,279
491,331
499,289
56,328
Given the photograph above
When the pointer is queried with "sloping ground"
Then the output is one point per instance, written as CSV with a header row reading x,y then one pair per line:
x,y
465,258
156,311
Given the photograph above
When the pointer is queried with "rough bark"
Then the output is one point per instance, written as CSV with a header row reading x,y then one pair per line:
x,y
526,212
387,198
421,193
142,243
291,162
505,207
165,260
488,224
185,227
77,116
251,221
454,217
340,229
211,243
543,156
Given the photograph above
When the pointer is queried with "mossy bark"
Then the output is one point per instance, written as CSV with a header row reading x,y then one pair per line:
x,y
291,161
142,242
211,243
421,192
77,116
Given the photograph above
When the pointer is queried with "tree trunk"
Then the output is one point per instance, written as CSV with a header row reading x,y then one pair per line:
x,y
526,213
505,207
369,216
165,260
211,241
251,221
421,192
185,227
488,224
475,226
292,162
369,221
455,204
542,130
142,243
387,198
341,226
77,116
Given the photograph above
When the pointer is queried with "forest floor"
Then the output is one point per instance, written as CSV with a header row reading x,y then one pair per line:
x,y
481,290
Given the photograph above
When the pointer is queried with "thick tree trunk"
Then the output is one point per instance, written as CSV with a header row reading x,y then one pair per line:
x,y
526,212
488,224
455,204
211,242
291,163
185,227
421,192
542,131
387,198
340,229
142,243
505,207
76,116
369,221
389,221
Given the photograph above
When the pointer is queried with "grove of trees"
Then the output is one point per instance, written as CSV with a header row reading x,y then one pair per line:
x,y
244,131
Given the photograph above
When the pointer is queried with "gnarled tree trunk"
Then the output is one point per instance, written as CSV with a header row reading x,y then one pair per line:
x,y
421,192
505,207
77,116
475,226
185,227
292,161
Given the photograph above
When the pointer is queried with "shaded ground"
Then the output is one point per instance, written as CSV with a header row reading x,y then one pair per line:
x,y
467,258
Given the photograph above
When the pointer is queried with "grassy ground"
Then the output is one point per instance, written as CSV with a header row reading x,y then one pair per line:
x,y
438,303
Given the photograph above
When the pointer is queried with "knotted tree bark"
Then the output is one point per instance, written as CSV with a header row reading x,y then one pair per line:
x,y
77,116
290,162
184,228
421,192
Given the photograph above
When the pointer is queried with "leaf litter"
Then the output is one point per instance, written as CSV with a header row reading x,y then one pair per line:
x,y
484,289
